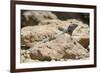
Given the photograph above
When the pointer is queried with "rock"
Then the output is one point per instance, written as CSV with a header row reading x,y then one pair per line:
x,y
60,25
81,33
76,51
24,55
74,21
63,47
52,39
83,40
30,18
30,35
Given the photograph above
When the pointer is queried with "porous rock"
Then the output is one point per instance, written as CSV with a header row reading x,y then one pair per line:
x,y
32,34
30,18
54,39
63,47
81,33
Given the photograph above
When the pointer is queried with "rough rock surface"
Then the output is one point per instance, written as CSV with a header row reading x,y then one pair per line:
x,y
62,47
33,34
48,38
81,33
31,18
